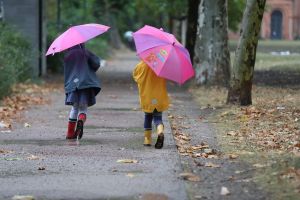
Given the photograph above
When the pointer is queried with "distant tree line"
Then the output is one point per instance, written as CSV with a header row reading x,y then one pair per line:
x,y
208,22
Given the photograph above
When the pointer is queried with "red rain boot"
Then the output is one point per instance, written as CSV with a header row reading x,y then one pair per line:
x,y
80,123
71,130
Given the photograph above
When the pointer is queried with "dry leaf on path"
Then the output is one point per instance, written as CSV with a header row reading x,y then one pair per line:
x,y
213,156
199,147
212,165
258,165
26,125
41,168
127,161
189,176
4,125
232,133
130,175
224,191
5,151
33,157
21,197
232,156
12,159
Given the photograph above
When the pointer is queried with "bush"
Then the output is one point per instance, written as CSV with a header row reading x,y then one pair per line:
x,y
14,58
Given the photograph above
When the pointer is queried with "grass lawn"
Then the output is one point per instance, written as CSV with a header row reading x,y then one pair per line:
x,y
266,135
266,61
268,46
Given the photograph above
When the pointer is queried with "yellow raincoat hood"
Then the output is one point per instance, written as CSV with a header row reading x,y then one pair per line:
x,y
152,89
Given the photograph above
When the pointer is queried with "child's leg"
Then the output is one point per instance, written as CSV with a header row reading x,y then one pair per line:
x,y
81,118
72,123
148,129
157,116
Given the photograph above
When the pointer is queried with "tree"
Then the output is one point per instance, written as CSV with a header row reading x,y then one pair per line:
x,y
162,12
235,13
109,9
212,58
243,67
191,32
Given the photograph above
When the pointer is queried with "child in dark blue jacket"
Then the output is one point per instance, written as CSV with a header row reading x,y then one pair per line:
x,y
81,86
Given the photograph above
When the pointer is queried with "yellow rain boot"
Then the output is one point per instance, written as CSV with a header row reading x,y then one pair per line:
x,y
160,136
147,139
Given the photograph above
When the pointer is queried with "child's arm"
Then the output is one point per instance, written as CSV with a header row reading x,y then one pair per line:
x,y
137,73
93,60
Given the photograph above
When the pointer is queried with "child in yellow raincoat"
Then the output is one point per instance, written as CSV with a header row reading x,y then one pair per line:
x,y
153,99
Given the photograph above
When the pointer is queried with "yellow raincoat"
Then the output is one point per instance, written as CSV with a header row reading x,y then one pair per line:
x,y
152,89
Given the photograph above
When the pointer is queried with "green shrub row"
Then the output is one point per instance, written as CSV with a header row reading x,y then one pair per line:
x,y
15,54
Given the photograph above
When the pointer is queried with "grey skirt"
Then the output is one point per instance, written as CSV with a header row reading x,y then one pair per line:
x,y
83,97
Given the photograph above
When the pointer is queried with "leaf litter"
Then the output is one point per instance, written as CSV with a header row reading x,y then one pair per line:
x,y
265,134
23,96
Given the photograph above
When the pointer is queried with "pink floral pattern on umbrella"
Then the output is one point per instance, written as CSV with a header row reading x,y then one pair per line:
x,y
164,54
76,35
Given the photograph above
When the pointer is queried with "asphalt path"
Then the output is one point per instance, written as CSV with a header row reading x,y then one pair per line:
x,y
44,165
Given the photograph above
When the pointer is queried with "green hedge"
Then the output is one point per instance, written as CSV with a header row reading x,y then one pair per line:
x,y
15,54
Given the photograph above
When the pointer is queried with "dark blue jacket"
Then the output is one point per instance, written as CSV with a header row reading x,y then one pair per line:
x,y
80,66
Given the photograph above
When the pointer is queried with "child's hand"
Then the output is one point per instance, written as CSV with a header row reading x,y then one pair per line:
x,y
102,63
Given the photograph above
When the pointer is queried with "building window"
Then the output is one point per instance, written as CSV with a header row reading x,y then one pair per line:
x,y
276,25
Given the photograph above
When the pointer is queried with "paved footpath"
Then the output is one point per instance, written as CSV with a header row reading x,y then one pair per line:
x,y
44,165
88,169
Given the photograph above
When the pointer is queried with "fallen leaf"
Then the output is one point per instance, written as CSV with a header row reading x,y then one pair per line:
x,y
280,108
224,191
4,125
113,96
189,176
33,157
212,156
6,131
12,159
171,116
297,145
5,151
21,197
232,156
41,168
257,165
210,164
130,175
26,125
184,137
127,161
199,147
210,151
232,133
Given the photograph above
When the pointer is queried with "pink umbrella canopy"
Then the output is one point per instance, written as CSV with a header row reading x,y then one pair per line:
x,y
76,35
164,54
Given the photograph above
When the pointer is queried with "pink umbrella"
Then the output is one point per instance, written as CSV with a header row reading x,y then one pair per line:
x,y
164,54
76,35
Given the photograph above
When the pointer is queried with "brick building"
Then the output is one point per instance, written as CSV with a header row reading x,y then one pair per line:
x,y
281,20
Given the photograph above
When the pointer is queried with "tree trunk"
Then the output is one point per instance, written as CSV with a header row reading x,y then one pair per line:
x,y
212,58
243,67
58,15
114,36
191,32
